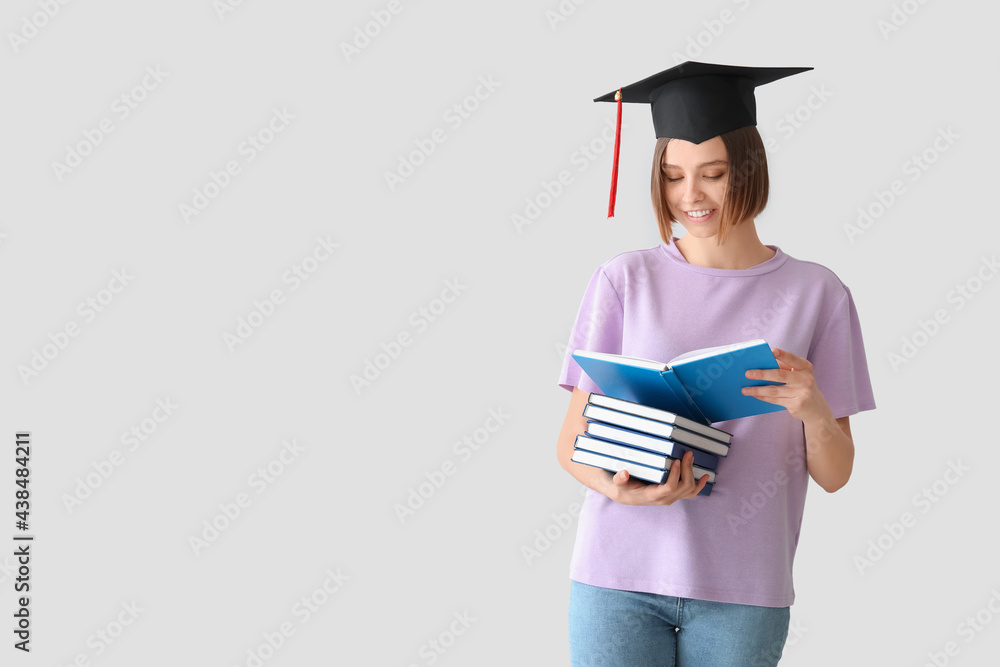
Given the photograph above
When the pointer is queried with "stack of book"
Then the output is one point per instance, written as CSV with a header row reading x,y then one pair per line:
x,y
653,412
622,435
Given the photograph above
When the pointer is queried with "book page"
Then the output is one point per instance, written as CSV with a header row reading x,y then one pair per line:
x,y
619,358
712,351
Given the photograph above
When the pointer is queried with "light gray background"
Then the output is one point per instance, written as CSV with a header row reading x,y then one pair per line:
x,y
498,345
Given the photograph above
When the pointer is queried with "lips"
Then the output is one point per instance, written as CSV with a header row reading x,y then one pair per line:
x,y
700,215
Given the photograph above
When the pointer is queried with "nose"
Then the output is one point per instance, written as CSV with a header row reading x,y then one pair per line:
x,y
692,191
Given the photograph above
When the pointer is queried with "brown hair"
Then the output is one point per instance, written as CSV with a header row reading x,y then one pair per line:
x,y
746,187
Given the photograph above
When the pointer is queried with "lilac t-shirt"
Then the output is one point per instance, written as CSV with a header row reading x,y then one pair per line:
x,y
736,545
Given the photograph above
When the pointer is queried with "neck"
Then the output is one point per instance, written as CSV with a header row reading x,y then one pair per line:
x,y
741,249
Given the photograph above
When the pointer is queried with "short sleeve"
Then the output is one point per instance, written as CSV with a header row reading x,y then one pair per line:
x,y
839,361
598,328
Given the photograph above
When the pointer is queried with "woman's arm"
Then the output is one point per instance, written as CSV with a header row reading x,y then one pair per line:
x,y
829,451
829,445
618,487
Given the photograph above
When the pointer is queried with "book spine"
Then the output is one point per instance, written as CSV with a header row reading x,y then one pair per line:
x,y
651,443
659,415
621,450
612,464
636,455
694,413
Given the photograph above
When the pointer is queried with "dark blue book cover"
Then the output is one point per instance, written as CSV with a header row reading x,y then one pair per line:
x,y
637,471
652,443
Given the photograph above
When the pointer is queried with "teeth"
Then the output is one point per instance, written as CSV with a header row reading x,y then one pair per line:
x,y
699,214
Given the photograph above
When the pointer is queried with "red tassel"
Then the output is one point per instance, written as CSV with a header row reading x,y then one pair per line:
x,y
614,168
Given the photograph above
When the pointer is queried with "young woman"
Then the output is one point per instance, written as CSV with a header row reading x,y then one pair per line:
x,y
660,575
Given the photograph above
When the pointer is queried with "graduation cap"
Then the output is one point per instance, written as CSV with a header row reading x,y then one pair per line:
x,y
695,101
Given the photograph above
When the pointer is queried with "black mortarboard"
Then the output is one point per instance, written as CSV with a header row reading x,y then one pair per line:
x,y
695,102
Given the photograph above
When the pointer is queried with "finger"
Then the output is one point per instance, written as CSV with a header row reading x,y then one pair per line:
x,y
701,484
771,391
773,374
687,478
675,474
776,401
626,483
788,360
668,486
623,479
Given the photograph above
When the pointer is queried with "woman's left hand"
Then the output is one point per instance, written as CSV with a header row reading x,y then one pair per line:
x,y
799,395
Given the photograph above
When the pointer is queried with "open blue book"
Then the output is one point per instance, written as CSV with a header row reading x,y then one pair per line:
x,y
702,385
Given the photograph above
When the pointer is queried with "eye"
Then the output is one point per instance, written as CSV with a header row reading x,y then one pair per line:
x,y
715,178
672,180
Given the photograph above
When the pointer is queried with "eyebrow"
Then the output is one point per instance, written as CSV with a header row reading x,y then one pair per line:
x,y
703,164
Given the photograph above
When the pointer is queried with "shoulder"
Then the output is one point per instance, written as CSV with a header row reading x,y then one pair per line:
x,y
624,267
813,276
818,294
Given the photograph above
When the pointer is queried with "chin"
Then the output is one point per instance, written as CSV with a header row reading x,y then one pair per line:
x,y
701,232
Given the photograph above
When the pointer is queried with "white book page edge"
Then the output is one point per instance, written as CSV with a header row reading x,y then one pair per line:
x,y
631,361
710,351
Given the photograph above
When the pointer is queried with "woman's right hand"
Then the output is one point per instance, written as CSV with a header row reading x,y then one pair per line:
x,y
680,484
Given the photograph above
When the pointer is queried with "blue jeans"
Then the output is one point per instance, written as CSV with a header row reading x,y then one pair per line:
x,y
611,628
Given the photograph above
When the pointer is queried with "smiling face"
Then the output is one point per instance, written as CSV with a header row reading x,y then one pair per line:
x,y
725,175
694,183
